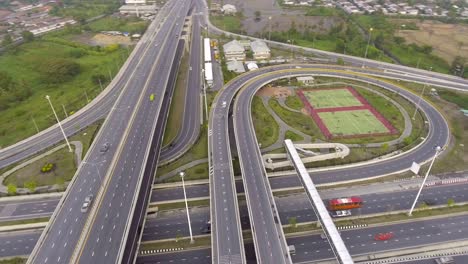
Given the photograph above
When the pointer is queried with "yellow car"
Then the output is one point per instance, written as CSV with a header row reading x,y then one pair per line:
x,y
152,97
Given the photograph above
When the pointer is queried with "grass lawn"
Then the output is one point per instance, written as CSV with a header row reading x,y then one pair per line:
x,y
331,98
299,121
266,128
130,24
24,65
197,172
294,102
65,163
198,151
227,23
176,113
458,98
356,122
64,169
15,260
293,136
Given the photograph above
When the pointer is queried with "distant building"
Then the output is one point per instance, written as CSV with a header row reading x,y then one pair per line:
x,y
138,9
260,50
135,2
234,51
229,9
306,80
252,66
235,66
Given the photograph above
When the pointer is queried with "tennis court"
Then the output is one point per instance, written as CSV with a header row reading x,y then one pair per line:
x,y
331,98
355,122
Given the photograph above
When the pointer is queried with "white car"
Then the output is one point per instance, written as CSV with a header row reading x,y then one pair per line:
x,y
87,203
224,104
341,213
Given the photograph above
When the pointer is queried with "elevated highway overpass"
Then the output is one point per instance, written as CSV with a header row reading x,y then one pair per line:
x,y
115,177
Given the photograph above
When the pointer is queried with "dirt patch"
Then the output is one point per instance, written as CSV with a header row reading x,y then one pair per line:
x,y
447,40
277,92
103,40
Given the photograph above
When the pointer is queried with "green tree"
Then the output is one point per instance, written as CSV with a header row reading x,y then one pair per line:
x,y
451,202
28,36
258,15
11,188
7,40
292,221
59,70
31,185
457,65
340,61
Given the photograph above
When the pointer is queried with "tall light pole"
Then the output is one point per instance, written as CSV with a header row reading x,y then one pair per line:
x,y
438,149
58,121
420,97
368,42
269,28
182,174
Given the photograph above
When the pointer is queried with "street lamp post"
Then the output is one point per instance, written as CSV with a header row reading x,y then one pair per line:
x,y
420,97
438,149
269,28
368,42
97,169
182,174
58,121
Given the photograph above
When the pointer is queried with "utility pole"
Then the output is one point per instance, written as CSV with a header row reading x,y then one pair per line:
x,y
182,175
35,125
367,47
58,121
438,149
269,30
64,110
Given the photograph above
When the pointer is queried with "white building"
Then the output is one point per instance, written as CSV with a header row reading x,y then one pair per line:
x,y
138,9
234,51
306,80
135,2
260,50
229,9
235,66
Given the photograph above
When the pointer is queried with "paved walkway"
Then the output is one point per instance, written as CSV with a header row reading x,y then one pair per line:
x,y
283,127
78,155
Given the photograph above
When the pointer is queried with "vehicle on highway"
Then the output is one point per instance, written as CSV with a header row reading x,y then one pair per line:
x,y
292,249
344,203
224,104
87,203
207,228
445,260
152,97
104,148
341,213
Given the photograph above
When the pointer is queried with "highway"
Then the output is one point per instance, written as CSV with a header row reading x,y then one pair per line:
x,y
133,105
360,242
226,234
169,224
259,201
190,126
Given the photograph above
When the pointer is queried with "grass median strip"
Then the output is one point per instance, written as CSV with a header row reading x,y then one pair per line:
x,y
179,205
25,221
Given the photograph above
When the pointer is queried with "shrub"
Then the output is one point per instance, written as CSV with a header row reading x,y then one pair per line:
x,y
47,167
11,188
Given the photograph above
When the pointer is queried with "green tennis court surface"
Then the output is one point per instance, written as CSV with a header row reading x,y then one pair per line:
x,y
353,122
331,98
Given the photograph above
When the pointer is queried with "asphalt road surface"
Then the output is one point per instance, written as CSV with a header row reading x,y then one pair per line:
x,y
68,225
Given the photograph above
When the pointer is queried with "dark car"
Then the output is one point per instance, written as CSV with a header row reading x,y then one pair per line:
x,y
104,147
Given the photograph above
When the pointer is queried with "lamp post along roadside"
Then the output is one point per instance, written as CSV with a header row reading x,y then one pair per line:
x,y
420,97
438,149
204,94
58,121
367,47
182,174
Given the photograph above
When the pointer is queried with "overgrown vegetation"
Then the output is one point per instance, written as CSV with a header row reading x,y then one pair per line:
x,y
69,72
266,128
